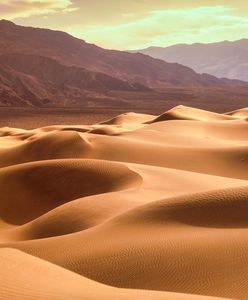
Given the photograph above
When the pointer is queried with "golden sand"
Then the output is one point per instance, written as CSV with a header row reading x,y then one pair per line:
x,y
136,207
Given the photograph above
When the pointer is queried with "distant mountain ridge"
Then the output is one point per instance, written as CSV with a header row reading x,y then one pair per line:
x,y
222,59
42,67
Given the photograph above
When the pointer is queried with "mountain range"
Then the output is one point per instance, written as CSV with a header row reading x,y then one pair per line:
x,y
42,67
222,59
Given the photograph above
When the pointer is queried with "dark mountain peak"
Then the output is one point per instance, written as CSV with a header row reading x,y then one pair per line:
x,y
6,24
4,21
34,31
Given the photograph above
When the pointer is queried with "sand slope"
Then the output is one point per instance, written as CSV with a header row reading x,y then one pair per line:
x,y
137,206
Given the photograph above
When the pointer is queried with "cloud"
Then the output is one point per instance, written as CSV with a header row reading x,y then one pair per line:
x,y
133,24
171,26
114,12
25,8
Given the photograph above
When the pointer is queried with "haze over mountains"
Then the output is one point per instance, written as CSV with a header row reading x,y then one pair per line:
x,y
223,59
41,67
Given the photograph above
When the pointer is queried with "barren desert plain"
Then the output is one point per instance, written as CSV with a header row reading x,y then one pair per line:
x,y
137,206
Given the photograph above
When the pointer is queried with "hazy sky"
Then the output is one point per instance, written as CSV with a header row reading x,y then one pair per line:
x,y
135,24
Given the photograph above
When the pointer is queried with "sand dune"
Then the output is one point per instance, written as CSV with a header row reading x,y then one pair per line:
x,y
240,112
137,206
31,282
188,113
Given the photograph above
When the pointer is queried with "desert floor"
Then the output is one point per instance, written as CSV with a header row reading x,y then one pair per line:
x,y
136,207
